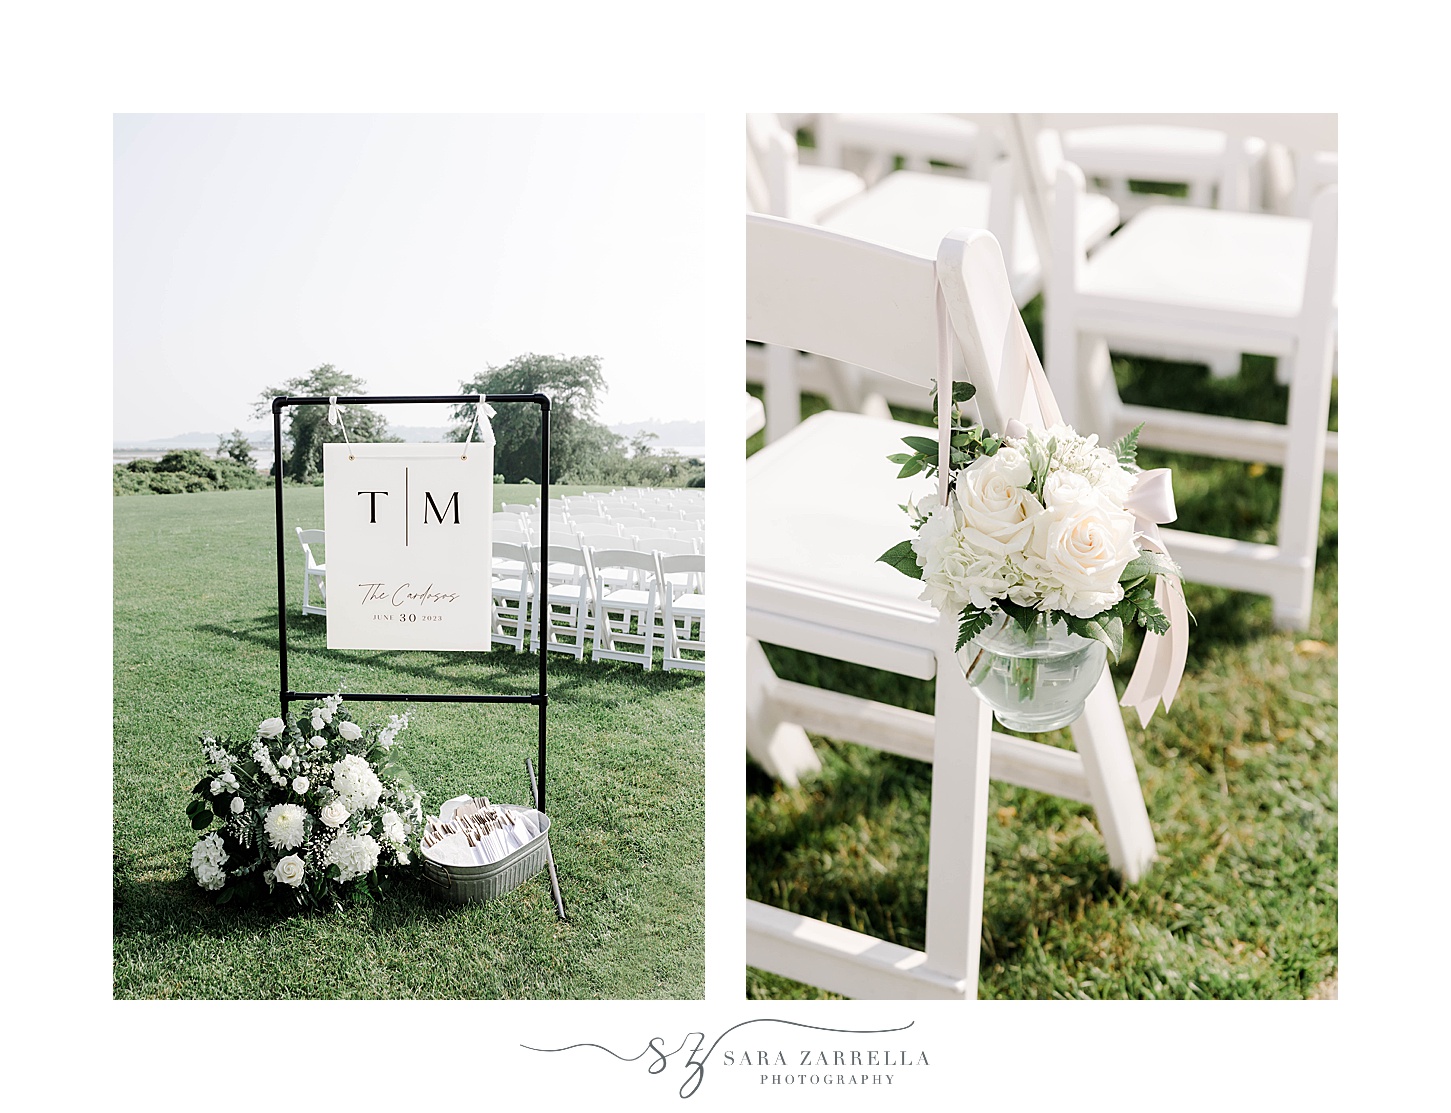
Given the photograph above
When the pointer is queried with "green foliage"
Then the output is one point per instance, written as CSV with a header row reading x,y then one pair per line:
x,y
188,469
901,557
576,437
581,449
236,447
306,428
1126,448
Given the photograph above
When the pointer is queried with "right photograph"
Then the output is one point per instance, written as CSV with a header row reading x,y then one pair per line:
x,y
1041,559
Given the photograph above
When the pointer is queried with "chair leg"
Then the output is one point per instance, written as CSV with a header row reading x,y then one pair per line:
x,y
957,850
780,748
1304,476
1113,782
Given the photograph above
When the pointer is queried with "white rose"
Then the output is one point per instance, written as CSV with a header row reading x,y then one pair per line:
x,y
285,761
318,741
238,807
997,508
216,788
1084,545
334,814
289,871
229,779
317,723
300,785
350,731
270,728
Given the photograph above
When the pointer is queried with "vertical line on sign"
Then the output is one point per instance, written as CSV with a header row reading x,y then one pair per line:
x,y
405,506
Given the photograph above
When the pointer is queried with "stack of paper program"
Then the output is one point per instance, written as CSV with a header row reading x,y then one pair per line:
x,y
470,831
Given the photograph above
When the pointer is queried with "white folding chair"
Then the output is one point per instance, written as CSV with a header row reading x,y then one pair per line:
x,y
563,608
924,142
1233,281
676,546
822,506
512,594
682,615
314,570
776,180
1216,169
911,211
626,606
508,567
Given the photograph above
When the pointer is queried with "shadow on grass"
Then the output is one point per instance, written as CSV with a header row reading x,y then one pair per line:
x,y
164,909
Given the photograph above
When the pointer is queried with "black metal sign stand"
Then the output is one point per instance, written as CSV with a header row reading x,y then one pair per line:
x,y
540,698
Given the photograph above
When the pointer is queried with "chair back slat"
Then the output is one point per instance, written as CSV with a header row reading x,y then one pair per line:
x,y
820,292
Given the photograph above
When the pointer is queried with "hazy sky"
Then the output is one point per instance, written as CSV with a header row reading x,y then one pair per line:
x,y
413,252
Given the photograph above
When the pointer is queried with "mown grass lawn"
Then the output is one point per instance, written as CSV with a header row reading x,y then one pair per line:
x,y
1240,778
195,649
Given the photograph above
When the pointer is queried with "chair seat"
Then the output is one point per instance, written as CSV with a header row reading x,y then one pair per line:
x,y
1149,152
1243,262
626,599
911,211
817,190
815,559
691,604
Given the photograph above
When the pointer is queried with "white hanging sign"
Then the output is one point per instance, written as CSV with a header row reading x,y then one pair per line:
x,y
408,545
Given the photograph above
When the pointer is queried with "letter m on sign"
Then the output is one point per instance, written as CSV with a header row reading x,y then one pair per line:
x,y
429,504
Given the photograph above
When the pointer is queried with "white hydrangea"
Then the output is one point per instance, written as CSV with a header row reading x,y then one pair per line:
x,y
355,783
208,857
354,855
286,826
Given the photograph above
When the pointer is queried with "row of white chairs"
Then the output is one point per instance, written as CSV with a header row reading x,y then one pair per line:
x,y
616,594
613,603
1176,283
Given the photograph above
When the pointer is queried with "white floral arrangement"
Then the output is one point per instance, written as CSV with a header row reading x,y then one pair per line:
x,y
310,811
1040,525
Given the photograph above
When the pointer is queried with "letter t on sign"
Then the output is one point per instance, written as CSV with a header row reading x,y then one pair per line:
x,y
373,505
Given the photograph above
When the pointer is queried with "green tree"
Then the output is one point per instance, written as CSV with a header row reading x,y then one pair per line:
x,y
306,428
577,440
236,447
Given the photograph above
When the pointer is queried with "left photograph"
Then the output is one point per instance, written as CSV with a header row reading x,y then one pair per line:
x,y
409,556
